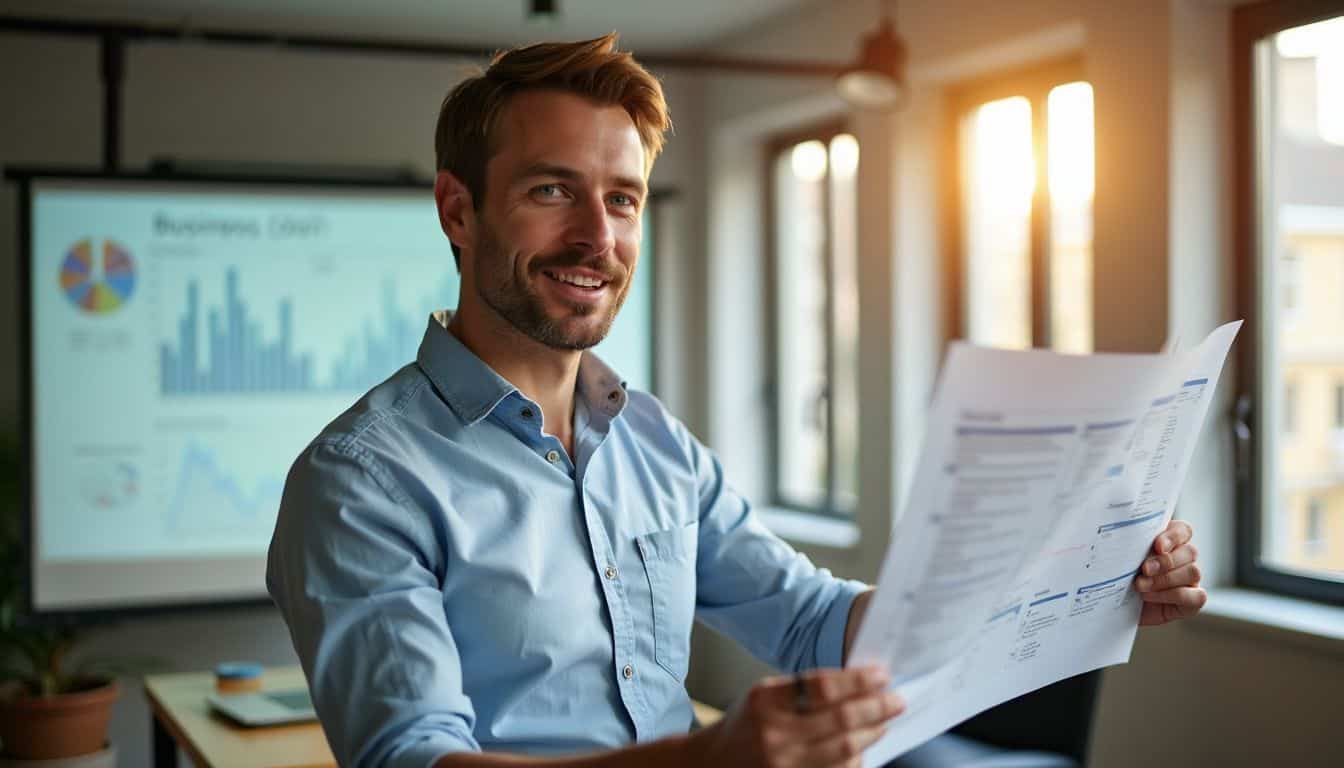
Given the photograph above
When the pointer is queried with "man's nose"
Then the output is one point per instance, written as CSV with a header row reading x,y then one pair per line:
x,y
590,229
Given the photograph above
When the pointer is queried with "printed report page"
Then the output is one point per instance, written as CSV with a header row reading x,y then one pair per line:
x,y
1043,480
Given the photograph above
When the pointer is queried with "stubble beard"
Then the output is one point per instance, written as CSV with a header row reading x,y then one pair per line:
x,y
514,299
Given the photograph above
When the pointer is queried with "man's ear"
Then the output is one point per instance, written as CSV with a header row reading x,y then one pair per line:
x,y
457,215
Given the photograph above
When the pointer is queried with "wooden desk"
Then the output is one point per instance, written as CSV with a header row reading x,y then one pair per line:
x,y
182,718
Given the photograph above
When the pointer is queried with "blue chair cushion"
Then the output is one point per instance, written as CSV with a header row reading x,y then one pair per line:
x,y
951,750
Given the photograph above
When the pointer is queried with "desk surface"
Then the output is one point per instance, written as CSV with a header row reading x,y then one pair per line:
x,y
213,741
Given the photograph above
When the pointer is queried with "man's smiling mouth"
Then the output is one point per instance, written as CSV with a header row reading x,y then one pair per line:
x,y
571,278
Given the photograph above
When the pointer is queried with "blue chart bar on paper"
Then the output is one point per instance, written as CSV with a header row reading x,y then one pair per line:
x,y
1051,598
236,359
1127,523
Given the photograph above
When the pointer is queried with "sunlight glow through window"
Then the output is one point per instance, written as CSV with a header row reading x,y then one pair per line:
x,y
1071,145
808,161
1323,41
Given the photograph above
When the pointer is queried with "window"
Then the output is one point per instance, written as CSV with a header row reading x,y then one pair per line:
x,y
1290,285
1289,420
630,342
1289,74
1024,151
1339,405
1314,543
812,296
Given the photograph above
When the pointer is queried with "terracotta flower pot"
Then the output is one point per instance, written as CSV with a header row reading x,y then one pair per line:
x,y
66,725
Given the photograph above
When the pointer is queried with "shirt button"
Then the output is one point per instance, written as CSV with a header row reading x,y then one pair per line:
x,y
628,672
527,413
611,571
552,455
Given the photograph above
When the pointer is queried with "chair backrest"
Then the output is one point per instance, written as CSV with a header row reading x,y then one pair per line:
x,y
1056,718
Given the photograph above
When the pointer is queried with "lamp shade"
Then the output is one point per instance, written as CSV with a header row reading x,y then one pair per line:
x,y
877,80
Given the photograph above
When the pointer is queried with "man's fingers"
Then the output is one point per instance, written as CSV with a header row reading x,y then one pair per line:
x,y
828,686
822,687
1177,533
1156,564
1162,607
839,749
854,714
1184,576
1171,604
1168,579
1192,598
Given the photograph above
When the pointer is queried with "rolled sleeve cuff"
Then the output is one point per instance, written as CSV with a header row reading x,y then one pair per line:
x,y
429,749
831,638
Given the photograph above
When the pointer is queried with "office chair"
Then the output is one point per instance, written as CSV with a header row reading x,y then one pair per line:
x,y
1047,728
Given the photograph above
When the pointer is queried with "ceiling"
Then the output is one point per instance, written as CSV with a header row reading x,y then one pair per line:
x,y
665,26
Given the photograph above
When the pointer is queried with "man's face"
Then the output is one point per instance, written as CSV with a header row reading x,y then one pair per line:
x,y
557,236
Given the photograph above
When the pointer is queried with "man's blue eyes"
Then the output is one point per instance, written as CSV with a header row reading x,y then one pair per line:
x,y
556,191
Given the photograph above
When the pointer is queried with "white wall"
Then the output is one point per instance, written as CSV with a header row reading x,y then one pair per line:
x,y
222,104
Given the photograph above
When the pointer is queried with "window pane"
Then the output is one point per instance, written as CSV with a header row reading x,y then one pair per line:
x,y
1000,180
1315,535
800,290
845,316
1339,407
1070,150
1300,143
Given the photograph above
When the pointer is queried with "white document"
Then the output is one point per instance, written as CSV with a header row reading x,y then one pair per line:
x,y
1043,480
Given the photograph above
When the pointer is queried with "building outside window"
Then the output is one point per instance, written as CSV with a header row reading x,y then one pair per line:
x,y
1289,420
1339,405
1314,537
1290,285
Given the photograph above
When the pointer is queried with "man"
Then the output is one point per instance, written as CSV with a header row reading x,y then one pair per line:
x,y
501,548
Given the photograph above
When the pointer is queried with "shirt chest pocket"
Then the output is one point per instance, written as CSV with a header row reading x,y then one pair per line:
x,y
669,566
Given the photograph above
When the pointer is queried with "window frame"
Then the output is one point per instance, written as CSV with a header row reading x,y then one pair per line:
x,y
1033,82
823,131
1251,24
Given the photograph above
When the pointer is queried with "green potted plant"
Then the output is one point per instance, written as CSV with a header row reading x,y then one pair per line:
x,y
50,707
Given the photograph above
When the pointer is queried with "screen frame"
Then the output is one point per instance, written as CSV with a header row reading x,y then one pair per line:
x,y
26,178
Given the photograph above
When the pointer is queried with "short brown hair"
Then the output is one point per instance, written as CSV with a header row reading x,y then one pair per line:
x,y
594,69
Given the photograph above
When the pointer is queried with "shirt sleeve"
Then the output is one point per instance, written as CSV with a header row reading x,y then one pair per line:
x,y
755,588
353,567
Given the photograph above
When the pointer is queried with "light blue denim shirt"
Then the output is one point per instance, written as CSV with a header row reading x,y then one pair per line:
x,y
453,580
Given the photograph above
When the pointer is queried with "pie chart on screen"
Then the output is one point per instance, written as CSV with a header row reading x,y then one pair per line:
x,y
102,285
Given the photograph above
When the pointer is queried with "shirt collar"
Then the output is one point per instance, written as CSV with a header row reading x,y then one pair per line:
x,y
473,389
599,387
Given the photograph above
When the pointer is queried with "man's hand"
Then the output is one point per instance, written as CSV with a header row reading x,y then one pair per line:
x,y
842,712
1168,579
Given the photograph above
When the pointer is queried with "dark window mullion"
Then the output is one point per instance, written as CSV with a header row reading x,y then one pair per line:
x,y
772,319
1040,225
828,260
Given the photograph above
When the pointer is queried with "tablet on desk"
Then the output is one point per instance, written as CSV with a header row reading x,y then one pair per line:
x,y
265,707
